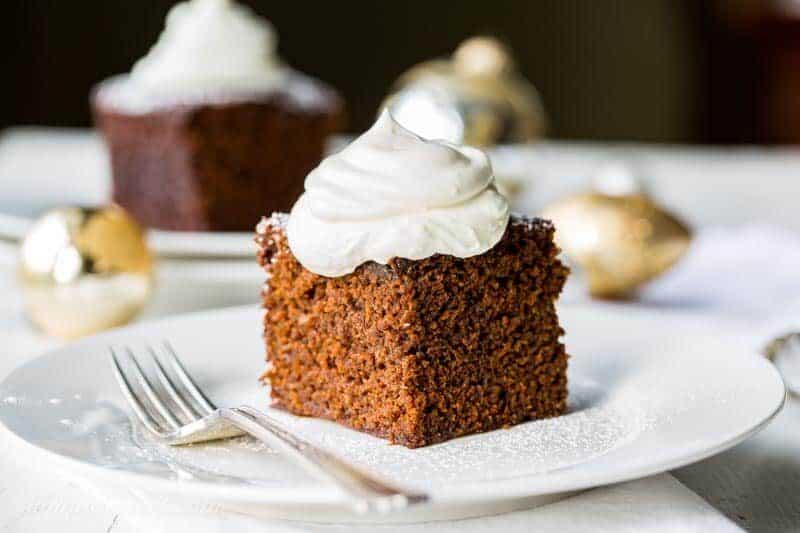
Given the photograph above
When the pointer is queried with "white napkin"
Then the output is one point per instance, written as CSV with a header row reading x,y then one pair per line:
x,y
750,273
656,504
44,502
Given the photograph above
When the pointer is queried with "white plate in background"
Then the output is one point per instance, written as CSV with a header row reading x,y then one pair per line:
x,y
43,169
188,244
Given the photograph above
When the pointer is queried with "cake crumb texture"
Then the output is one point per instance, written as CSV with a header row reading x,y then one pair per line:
x,y
419,352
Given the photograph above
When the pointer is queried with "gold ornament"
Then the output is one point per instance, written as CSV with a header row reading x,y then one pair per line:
x,y
84,270
477,97
619,241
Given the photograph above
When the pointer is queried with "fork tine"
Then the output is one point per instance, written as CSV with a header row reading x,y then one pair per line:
x,y
151,394
168,385
141,412
188,383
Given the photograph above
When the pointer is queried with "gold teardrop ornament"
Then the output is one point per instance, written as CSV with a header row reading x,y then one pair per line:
x,y
620,242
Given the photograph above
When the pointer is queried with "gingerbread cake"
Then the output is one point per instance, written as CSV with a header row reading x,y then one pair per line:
x,y
403,300
419,352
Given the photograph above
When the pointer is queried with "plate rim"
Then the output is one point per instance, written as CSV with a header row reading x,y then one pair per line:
x,y
322,495
166,244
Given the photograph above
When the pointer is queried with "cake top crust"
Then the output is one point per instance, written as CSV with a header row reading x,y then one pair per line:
x,y
535,224
272,228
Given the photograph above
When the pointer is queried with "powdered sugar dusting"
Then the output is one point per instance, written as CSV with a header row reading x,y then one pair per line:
x,y
591,428
276,220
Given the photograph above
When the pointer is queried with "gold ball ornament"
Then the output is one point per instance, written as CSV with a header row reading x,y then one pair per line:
x,y
83,270
619,241
475,97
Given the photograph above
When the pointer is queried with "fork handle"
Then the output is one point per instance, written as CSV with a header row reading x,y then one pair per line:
x,y
368,492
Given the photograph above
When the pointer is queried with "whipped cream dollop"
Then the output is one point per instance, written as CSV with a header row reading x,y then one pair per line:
x,y
391,193
210,46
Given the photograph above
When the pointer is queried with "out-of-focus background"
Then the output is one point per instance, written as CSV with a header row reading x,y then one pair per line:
x,y
662,115
677,71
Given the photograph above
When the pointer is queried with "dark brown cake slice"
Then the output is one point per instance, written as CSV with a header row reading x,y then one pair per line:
x,y
219,164
419,351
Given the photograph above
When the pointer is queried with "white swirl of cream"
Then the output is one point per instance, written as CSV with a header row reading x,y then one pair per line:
x,y
393,194
210,46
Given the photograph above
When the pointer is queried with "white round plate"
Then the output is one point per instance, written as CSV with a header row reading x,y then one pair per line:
x,y
645,397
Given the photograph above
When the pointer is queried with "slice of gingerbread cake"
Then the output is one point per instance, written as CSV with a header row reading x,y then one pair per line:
x,y
403,300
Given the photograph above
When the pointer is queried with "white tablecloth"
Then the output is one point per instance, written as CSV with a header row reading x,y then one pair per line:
x,y
745,277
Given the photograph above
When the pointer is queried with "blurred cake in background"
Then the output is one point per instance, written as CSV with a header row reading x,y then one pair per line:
x,y
210,129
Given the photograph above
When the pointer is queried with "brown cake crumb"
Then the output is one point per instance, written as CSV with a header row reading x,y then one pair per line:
x,y
419,352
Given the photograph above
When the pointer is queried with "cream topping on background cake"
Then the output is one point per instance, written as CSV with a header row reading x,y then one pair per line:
x,y
210,46
391,193
209,51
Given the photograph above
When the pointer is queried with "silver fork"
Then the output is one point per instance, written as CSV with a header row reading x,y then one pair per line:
x,y
176,412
